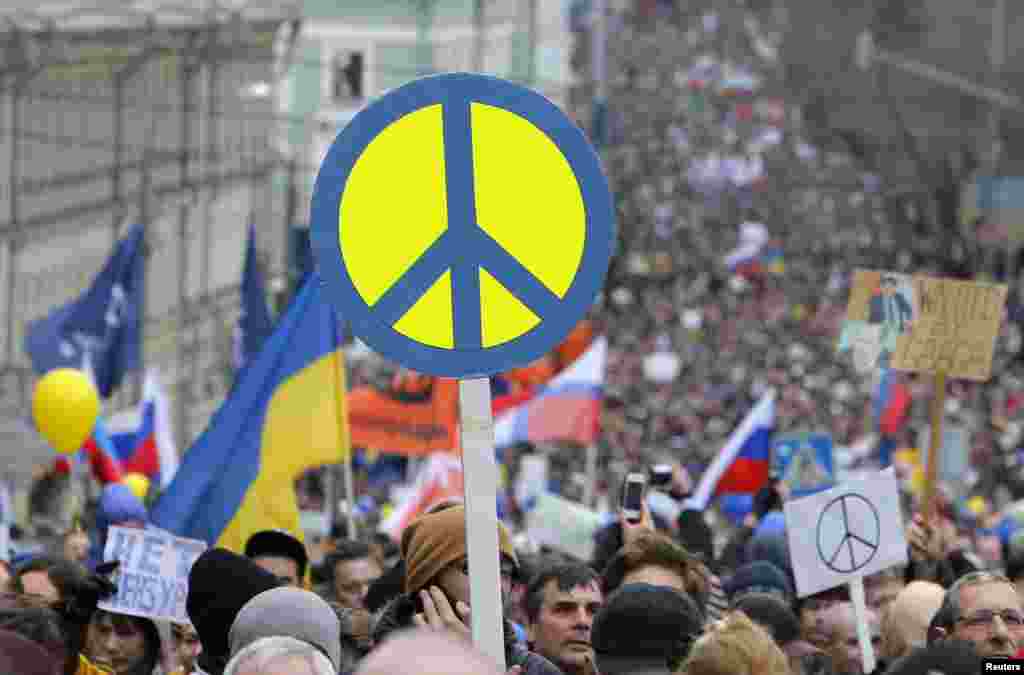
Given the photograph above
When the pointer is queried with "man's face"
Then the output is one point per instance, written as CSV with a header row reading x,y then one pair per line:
x,y
991,618
655,576
5,578
883,592
561,632
76,547
119,644
845,646
38,583
187,647
285,569
352,580
814,620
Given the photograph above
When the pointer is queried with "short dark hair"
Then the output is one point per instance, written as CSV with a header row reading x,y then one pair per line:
x,y
66,576
343,552
950,608
566,577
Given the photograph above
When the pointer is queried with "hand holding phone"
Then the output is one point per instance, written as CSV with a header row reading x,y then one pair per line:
x,y
634,488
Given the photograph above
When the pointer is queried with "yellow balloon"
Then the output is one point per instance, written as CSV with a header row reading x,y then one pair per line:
x,y
65,406
137,483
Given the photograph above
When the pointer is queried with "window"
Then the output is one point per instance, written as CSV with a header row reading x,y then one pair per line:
x,y
348,70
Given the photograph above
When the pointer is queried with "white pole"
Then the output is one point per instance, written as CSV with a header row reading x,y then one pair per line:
x,y
860,609
590,487
480,471
350,495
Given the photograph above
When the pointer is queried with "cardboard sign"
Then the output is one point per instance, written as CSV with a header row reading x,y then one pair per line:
x,y
850,531
804,461
923,324
152,580
563,525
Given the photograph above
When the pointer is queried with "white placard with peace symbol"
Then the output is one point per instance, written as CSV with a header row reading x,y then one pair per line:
x,y
850,531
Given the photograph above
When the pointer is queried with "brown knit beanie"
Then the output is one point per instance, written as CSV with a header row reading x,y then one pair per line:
x,y
435,540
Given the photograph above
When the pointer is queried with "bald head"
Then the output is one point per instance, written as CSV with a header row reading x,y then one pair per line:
x,y
844,647
905,623
435,654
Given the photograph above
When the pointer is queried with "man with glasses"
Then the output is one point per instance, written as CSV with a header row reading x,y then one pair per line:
x,y
984,608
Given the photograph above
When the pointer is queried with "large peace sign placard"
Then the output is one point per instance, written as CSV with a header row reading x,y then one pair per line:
x,y
852,530
463,225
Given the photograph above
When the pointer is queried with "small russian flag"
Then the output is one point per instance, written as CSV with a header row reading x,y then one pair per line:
x,y
741,466
568,408
146,445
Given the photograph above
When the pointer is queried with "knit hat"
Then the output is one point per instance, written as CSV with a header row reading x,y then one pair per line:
x,y
770,611
645,626
278,543
771,548
433,541
759,577
220,583
290,612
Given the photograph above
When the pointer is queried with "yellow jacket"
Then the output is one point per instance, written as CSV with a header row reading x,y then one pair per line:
x,y
87,667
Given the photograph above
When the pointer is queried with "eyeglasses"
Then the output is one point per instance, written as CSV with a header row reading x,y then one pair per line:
x,y
983,618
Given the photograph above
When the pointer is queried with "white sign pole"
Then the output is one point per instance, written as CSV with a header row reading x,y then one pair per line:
x,y
480,471
860,610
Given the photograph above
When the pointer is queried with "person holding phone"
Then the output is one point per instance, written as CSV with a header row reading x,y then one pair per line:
x,y
436,585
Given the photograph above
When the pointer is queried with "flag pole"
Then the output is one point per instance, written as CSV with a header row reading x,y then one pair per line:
x,y
590,487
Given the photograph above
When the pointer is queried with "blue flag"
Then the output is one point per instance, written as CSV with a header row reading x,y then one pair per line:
x,y
285,414
254,323
103,325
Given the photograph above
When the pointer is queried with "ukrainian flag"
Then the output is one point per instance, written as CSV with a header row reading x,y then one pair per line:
x,y
285,414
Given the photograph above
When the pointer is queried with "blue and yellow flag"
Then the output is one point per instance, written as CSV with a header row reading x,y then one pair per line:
x,y
285,414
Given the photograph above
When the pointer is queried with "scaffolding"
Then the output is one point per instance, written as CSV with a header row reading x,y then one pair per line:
x,y
148,111
176,114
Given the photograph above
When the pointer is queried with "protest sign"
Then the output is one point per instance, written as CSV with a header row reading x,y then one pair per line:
x,y
152,580
563,525
804,461
926,324
852,530
844,534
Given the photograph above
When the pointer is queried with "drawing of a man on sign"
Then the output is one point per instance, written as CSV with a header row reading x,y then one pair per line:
x,y
893,311
883,306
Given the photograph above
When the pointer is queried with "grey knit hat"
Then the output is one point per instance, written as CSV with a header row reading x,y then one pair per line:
x,y
290,612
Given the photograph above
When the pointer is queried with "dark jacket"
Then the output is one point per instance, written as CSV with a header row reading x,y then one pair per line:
x,y
398,615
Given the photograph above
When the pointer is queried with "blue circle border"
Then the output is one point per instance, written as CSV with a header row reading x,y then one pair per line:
x,y
454,88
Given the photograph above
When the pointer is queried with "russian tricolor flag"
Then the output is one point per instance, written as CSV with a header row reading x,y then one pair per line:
x,y
742,464
568,408
145,444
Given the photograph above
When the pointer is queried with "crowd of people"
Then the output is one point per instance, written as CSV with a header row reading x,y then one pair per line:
x,y
707,157
653,599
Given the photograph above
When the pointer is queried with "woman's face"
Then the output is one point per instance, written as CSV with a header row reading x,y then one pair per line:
x,y
115,641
